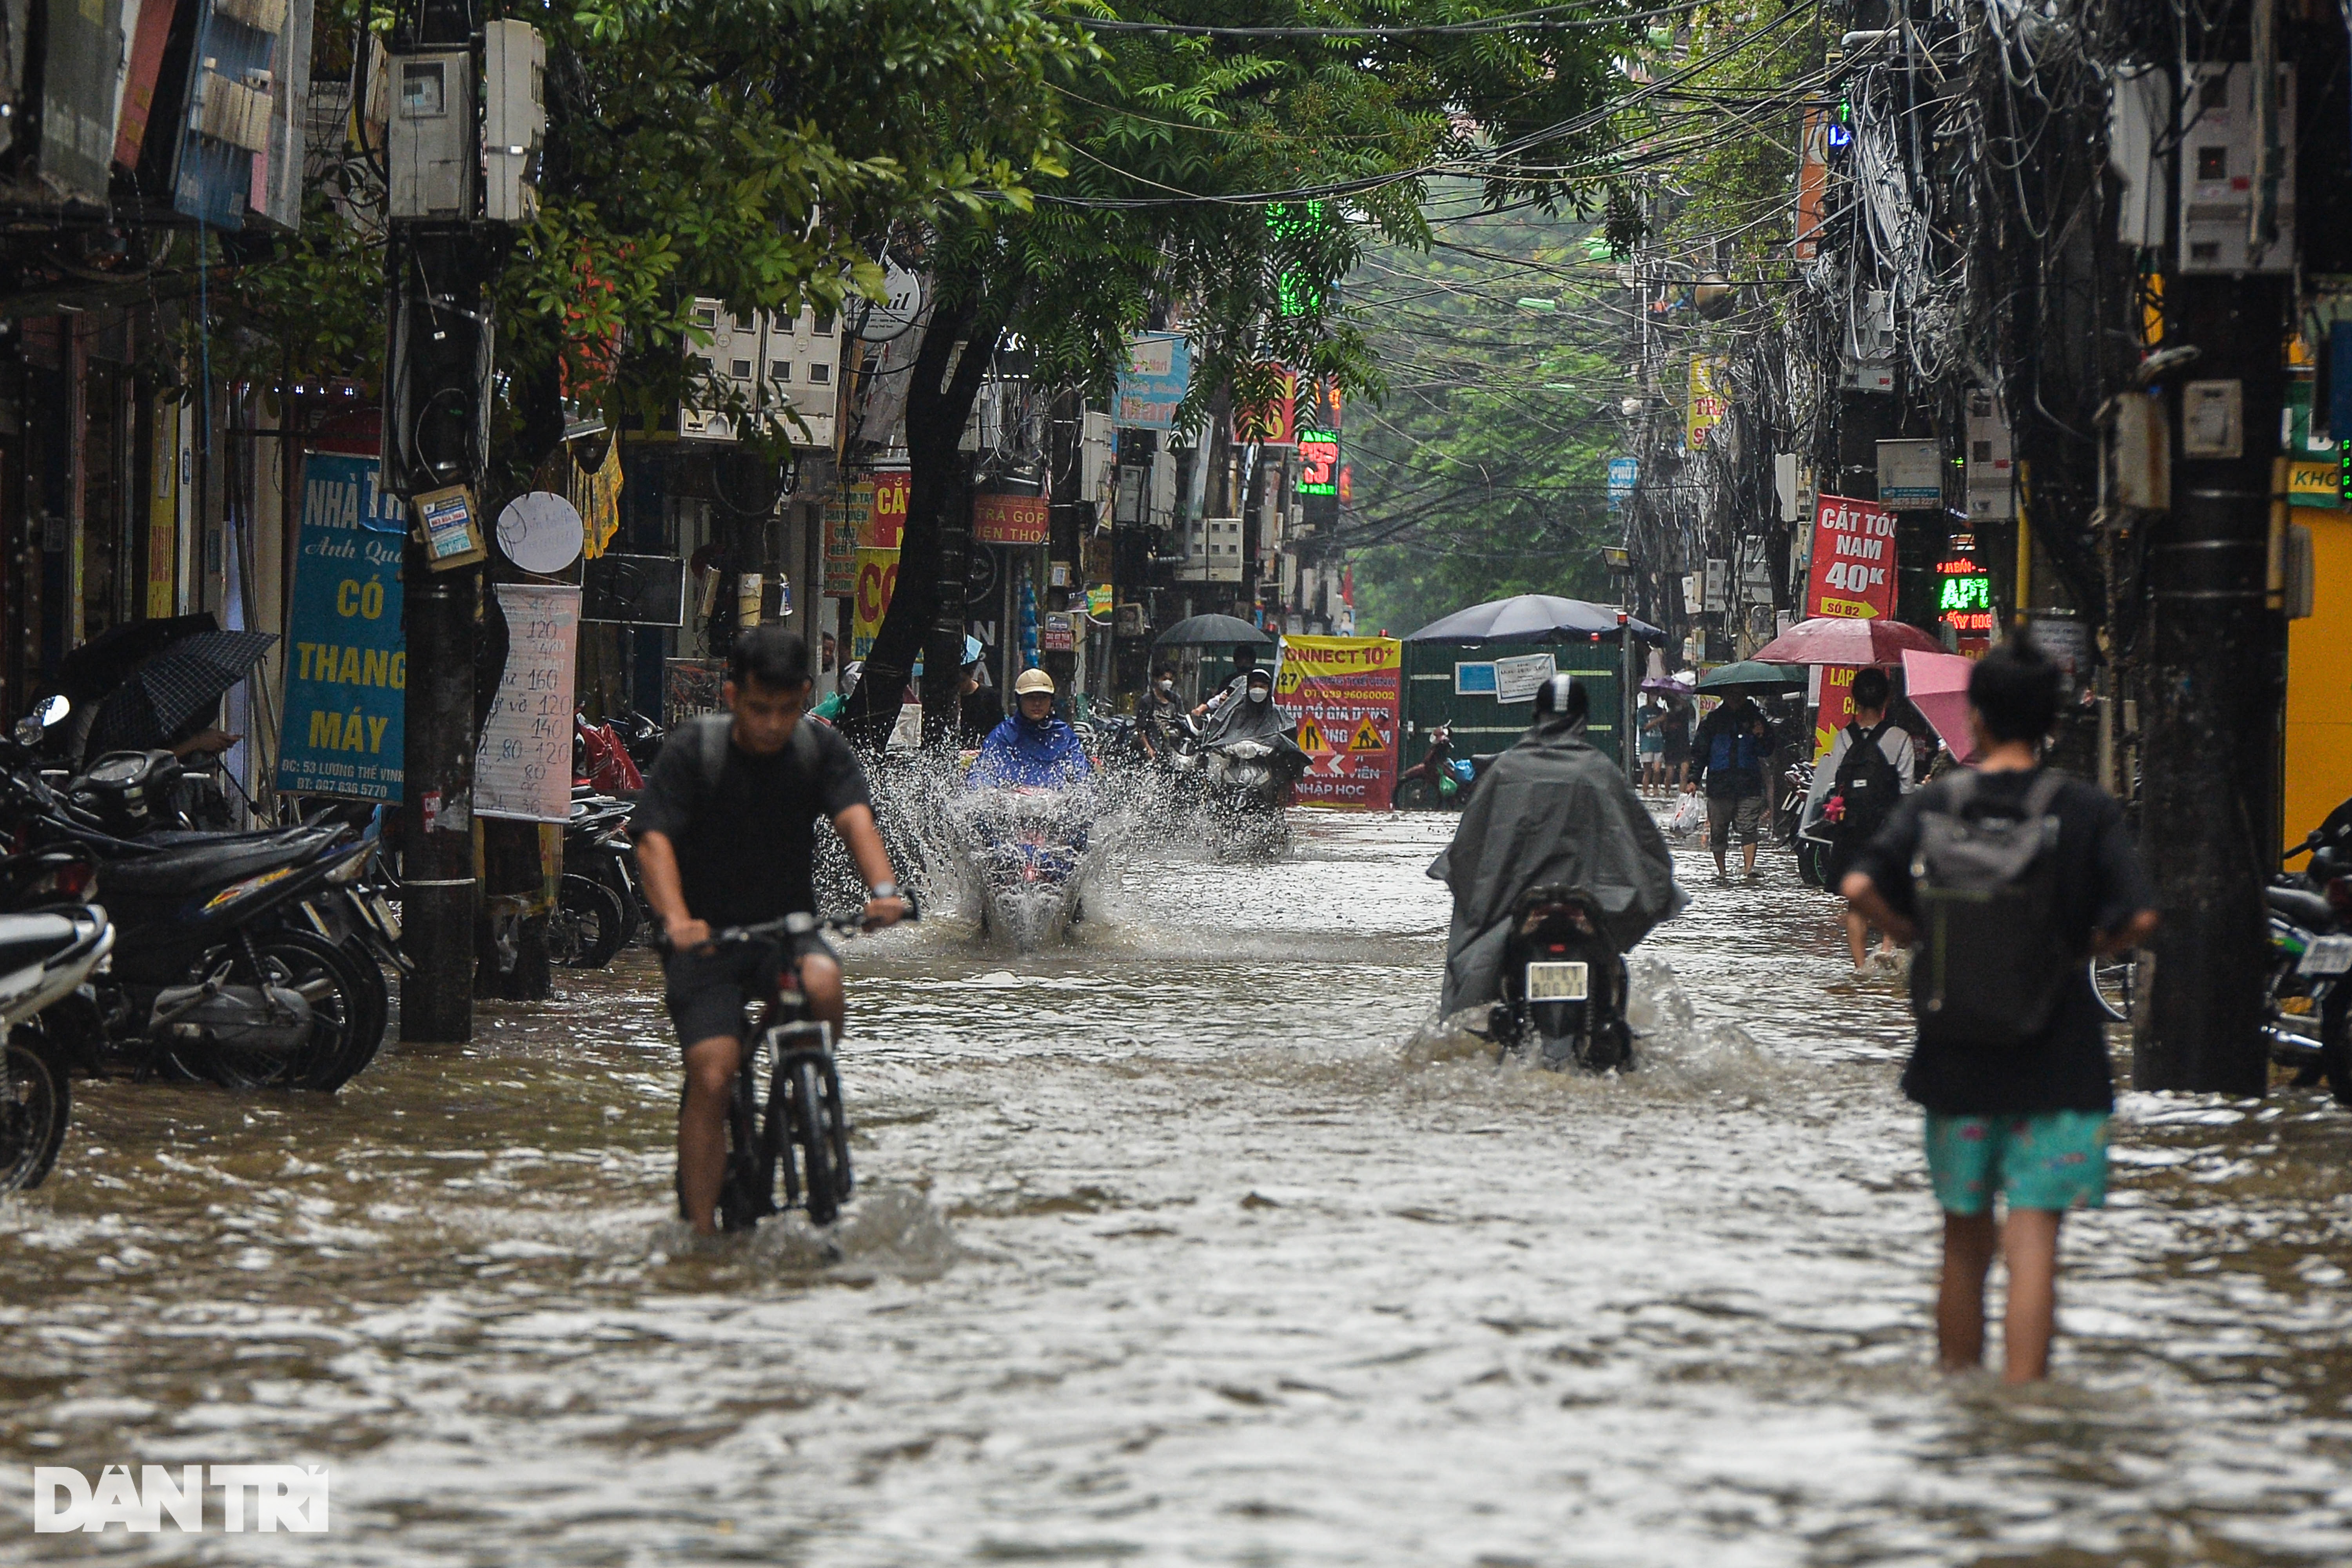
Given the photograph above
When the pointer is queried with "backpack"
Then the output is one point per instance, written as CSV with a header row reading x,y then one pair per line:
x,y
1867,786
708,734
1992,960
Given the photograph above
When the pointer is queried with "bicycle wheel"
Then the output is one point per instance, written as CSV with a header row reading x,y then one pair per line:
x,y
747,1194
35,1105
2115,981
814,1121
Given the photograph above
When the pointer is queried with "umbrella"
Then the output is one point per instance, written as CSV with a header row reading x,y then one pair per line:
x,y
1749,675
1682,681
1836,639
1531,617
1938,684
92,670
173,686
1210,631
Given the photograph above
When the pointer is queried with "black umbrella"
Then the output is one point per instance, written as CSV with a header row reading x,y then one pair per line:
x,y
1531,618
108,659
174,686
1211,631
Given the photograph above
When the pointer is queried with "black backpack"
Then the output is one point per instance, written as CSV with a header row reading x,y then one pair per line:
x,y
1993,960
708,734
1867,782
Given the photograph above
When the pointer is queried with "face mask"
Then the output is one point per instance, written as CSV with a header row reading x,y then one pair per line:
x,y
1167,687
1257,693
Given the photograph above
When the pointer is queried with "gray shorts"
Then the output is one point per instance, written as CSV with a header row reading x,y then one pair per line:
x,y
1726,813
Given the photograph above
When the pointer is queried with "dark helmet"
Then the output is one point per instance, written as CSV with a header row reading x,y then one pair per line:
x,y
1564,695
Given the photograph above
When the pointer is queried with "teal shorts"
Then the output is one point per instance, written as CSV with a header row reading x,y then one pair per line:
x,y
2053,1160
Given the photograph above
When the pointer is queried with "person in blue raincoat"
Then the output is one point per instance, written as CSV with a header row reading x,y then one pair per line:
x,y
1032,748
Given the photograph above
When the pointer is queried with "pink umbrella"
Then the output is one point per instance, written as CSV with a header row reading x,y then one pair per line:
x,y
1938,684
1836,639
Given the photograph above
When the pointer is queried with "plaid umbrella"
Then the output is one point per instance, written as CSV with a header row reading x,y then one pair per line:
x,y
174,686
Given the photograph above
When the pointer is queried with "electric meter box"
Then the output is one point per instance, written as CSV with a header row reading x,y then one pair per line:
x,y
773,365
1991,462
514,120
430,145
2219,141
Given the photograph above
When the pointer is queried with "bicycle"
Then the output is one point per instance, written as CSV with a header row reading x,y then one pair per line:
x,y
804,1131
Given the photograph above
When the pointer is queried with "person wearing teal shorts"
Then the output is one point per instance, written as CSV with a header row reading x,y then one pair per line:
x,y
2024,1123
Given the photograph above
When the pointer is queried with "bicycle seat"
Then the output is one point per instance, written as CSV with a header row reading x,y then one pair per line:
x,y
2304,908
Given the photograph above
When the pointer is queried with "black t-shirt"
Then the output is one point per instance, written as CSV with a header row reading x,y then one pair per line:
x,y
2101,887
744,847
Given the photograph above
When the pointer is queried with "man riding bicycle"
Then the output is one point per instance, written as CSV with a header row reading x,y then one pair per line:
x,y
726,836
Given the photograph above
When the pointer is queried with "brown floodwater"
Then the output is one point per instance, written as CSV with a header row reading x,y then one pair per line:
x,y
1188,1242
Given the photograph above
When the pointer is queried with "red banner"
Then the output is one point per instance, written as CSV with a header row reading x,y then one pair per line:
x,y
1274,421
1853,560
1343,694
887,522
1008,520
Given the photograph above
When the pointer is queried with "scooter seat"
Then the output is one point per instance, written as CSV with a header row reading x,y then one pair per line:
x,y
28,939
208,865
2304,908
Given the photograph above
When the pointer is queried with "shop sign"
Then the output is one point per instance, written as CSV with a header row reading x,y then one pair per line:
x,y
347,665
878,578
1151,387
1852,571
1012,521
523,770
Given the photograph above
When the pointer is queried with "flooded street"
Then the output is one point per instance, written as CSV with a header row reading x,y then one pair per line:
x,y
1187,1244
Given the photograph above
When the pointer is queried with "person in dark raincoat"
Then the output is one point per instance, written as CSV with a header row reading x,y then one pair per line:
x,y
1552,809
1031,749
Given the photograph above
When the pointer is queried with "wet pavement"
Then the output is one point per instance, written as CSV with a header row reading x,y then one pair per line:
x,y
1189,1242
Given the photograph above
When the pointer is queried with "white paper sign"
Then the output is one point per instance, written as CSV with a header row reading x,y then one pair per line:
x,y
524,769
1518,679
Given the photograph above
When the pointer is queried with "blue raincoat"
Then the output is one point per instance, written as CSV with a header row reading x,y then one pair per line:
x,y
1040,756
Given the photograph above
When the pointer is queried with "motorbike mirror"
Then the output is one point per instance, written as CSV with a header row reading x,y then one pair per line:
x,y
47,714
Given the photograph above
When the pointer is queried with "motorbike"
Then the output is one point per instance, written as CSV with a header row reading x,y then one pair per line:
x,y
2306,994
1245,782
1564,986
1028,847
226,963
601,760
1796,782
45,959
1440,779
599,910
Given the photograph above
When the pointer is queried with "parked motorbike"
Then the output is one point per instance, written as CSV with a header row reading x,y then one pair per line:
x,y
2306,995
1796,782
44,960
1028,848
601,760
599,908
1564,986
226,965
1441,779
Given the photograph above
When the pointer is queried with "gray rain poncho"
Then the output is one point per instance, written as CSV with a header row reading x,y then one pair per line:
x,y
1242,720
1552,809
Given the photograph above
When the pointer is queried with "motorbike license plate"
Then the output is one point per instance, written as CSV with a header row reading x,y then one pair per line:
x,y
2327,955
1556,982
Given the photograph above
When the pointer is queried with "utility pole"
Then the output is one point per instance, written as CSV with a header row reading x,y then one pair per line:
x,y
2212,705
445,243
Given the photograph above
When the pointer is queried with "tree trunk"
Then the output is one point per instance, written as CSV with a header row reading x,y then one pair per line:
x,y
927,608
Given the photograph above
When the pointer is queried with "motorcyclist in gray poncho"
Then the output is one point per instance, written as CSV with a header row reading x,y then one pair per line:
x,y
1552,809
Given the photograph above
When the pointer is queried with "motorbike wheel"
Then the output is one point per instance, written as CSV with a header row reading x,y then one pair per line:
x,y
609,872
586,931
813,1101
297,961
35,1105
1812,863
376,996
1417,794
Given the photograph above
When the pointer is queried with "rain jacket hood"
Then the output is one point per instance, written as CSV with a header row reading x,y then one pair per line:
x,y
1242,720
1552,809
1018,753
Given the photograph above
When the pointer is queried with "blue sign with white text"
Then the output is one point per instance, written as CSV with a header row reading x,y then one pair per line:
x,y
1158,372
347,655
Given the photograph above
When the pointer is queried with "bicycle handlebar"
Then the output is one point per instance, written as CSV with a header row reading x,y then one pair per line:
x,y
795,924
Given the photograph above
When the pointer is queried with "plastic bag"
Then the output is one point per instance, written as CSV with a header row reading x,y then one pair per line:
x,y
1689,816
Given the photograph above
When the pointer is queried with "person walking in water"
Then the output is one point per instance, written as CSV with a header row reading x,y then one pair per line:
x,y
2007,877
